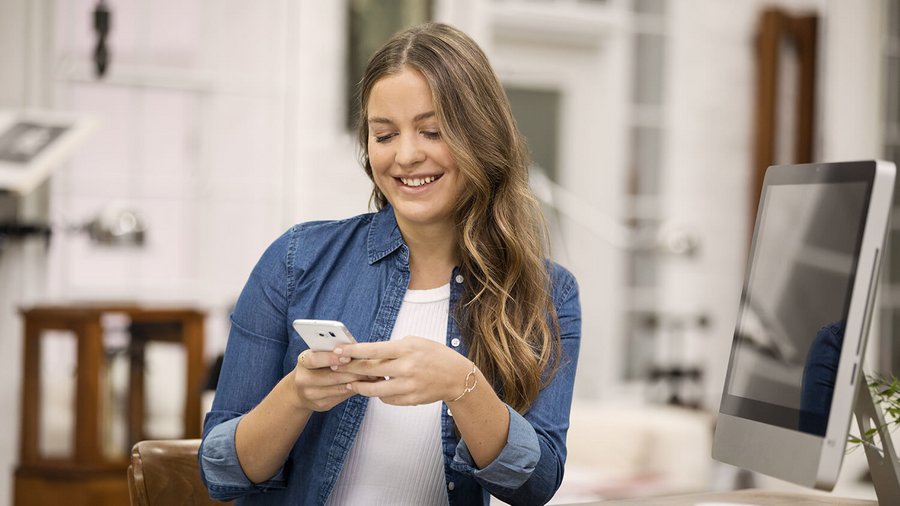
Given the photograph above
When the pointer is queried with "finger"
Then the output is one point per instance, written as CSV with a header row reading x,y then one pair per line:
x,y
339,392
317,393
323,400
309,359
327,377
379,350
301,359
375,368
378,388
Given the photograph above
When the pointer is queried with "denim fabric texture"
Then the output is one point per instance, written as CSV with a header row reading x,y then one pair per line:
x,y
819,378
357,271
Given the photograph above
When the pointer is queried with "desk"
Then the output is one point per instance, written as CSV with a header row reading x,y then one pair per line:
x,y
88,477
742,497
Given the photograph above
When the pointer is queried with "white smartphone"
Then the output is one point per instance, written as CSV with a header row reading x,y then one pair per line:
x,y
323,335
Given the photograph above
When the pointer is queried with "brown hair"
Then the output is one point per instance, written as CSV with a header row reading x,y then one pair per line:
x,y
506,314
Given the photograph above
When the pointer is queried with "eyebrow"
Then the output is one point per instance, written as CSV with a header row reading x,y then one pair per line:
x,y
417,118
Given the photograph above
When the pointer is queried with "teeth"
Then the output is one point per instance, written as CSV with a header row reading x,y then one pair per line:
x,y
416,181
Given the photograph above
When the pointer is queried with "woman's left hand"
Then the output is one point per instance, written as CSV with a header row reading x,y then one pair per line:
x,y
420,371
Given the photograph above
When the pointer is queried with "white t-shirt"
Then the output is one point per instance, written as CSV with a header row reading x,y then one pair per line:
x,y
396,458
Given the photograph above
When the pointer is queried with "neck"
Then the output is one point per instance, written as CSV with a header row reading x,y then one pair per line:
x,y
432,255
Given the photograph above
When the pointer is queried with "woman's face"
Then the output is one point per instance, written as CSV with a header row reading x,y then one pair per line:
x,y
411,163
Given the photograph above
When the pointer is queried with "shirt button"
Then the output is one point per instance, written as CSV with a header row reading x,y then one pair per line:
x,y
459,278
451,486
454,342
449,413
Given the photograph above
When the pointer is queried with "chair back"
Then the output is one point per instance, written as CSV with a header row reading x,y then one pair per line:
x,y
167,473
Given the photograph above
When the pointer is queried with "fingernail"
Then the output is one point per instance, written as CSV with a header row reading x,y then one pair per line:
x,y
349,386
334,368
344,360
339,351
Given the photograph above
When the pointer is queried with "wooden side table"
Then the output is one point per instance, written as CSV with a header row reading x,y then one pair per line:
x,y
88,477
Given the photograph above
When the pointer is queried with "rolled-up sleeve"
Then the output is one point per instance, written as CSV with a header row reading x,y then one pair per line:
x,y
223,473
516,461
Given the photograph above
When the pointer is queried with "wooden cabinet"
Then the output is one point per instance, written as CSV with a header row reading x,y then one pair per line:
x,y
87,476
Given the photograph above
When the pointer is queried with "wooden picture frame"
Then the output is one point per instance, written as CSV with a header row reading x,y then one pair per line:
x,y
780,32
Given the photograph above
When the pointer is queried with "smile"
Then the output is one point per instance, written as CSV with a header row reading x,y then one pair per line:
x,y
416,182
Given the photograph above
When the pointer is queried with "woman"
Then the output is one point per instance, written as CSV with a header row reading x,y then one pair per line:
x,y
461,383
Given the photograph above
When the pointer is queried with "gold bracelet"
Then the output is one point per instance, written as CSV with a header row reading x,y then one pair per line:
x,y
468,388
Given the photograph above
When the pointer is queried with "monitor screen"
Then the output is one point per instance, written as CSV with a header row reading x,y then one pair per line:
x,y
792,315
803,319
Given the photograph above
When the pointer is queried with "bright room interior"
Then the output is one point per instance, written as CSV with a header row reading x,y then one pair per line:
x,y
217,125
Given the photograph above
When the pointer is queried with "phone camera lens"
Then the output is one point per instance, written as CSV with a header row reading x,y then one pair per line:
x,y
321,334
331,334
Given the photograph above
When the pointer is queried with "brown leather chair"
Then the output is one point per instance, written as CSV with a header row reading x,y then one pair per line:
x,y
167,473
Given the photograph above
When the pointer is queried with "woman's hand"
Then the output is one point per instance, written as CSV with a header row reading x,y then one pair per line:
x,y
264,437
423,371
419,371
317,385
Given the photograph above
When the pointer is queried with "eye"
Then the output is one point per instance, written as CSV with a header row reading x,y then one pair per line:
x,y
431,135
383,138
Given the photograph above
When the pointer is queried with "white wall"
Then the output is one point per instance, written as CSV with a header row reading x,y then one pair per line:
x,y
12,61
192,136
22,263
325,178
852,94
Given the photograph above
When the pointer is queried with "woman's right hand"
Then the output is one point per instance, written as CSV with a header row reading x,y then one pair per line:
x,y
316,385
264,437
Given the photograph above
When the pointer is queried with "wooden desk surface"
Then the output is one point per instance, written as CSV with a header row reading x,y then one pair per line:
x,y
739,498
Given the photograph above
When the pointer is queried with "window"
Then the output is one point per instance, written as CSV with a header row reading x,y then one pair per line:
x,y
372,23
647,135
537,113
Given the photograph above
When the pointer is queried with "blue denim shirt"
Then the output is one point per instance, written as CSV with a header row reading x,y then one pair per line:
x,y
357,271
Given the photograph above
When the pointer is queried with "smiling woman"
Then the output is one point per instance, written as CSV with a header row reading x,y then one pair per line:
x,y
449,294
411,164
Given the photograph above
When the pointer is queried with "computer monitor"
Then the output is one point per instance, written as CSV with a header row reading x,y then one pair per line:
x,y
806,304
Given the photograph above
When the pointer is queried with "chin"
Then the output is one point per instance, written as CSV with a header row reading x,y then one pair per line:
x,y
422,218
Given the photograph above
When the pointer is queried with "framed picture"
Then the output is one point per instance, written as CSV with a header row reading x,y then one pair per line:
x,y
34,143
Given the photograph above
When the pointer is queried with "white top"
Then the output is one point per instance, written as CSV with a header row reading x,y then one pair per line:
x,y
396,458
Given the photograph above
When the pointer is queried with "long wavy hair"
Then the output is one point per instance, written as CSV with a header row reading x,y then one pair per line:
x,y
506,314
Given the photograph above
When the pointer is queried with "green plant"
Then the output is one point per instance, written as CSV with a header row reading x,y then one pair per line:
x,y
886,394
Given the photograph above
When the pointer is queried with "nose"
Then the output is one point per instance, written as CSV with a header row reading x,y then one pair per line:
x,y
409,151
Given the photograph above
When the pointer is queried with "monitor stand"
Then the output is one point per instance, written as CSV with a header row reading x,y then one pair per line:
x,y
882,458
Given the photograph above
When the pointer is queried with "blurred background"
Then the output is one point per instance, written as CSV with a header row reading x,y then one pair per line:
x,y
196,132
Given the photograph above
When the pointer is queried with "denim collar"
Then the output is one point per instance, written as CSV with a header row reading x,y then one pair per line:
x,y
384,235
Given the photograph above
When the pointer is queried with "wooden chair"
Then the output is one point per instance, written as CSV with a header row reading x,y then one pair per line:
x,y
166,473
